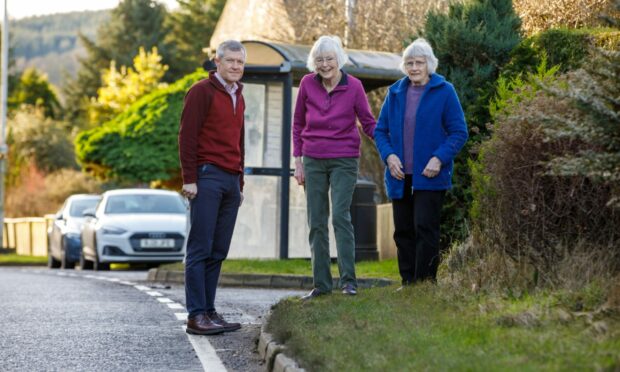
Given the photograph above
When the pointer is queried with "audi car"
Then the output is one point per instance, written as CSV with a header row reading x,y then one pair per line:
x,y
134,226
63,236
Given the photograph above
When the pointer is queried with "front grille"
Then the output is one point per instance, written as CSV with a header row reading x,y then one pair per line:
x,y
134,240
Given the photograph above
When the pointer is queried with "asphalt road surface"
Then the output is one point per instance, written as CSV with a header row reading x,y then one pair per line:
x,y
66,320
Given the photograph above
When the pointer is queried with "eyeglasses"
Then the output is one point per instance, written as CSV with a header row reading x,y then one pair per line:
x,y
410,64
327,60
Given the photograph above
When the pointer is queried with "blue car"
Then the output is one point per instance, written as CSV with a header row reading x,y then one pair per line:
x,y
64,242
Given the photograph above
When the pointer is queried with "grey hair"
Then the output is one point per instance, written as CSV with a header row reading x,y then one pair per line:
x,y
327,44
420,48
231,46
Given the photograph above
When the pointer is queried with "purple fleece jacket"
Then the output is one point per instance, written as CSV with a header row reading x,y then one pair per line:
x,y
324,123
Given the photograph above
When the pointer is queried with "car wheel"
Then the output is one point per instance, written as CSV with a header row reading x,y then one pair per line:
x,y
64,262
84,263
52,263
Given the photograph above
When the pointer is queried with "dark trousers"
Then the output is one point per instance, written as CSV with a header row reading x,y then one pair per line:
x,y
213,213
416,232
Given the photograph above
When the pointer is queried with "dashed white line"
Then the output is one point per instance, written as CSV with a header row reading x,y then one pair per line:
x,y
206,354
126,283
141,288
174,305
181,316
164,300
154,294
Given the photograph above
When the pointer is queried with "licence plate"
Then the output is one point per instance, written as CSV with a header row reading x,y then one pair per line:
x,y
156,243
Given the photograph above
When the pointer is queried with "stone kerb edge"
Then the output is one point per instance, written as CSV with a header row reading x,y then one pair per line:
x,y
273,353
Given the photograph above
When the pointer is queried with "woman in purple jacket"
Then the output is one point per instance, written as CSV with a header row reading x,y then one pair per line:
x,y
421,129
326,147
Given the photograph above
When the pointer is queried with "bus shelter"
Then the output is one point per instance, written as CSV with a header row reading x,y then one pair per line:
x,y
272,220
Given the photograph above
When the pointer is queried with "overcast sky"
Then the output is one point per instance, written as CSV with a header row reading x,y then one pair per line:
x,y
26,8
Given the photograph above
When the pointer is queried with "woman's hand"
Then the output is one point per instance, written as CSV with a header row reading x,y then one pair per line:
x,y
299,172
395,167
432,167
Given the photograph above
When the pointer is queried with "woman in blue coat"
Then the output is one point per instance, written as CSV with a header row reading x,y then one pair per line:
x,y
420,130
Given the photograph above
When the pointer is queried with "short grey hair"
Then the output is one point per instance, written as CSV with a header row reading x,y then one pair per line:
x,y
231,46
420,48
327,44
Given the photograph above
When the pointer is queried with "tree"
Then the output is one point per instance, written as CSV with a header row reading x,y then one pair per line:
x,y
132,24
191,27
123,87
34,89
140,144
34,137
472,42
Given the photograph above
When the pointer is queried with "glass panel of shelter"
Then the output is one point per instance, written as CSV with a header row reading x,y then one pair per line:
x,y
257,230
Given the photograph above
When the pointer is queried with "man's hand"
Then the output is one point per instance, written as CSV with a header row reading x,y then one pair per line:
x,y
395,167
432,168
189,190
241,198
299,171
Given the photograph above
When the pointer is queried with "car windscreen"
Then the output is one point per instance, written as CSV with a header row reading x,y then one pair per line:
x,y
144,203
78,207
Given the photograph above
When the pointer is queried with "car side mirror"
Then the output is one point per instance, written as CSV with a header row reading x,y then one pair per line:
x,y
89,213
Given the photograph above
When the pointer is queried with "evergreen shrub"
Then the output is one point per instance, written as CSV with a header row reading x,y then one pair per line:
x,y
140,144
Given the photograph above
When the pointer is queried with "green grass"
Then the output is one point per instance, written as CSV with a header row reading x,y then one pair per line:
x,y
427,327
367,269
12,259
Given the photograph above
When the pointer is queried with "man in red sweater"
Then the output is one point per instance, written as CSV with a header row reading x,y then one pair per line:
x,y
211,150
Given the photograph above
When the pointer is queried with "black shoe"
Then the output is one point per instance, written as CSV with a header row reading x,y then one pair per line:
x,y
217,319
404,285
314,293
349,290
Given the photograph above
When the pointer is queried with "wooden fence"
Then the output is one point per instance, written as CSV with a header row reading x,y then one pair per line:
x,y
27,235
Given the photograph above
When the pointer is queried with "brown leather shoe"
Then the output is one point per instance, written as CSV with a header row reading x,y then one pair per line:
x,y
217,319
202,325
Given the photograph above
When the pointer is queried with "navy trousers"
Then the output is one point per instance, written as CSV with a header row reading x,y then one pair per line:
x,y
213,213
416,232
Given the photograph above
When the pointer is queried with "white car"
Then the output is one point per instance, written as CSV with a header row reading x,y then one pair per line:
x,y
135,226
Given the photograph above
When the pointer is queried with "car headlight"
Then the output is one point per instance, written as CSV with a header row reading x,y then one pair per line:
x,y
110,230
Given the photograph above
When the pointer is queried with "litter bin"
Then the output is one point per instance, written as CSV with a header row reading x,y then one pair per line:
x,y
364,220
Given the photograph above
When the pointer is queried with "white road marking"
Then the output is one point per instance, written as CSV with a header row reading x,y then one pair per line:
x,y
61,274
72,275
113,279
126,283
181,316
89,276
174,305
207,355
141,288
164,300
101,278
154,294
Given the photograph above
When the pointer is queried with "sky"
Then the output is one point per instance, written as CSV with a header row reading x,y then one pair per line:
x,y
25,8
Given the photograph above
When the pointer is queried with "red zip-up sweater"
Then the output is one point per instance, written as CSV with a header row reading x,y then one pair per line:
x,y
211,130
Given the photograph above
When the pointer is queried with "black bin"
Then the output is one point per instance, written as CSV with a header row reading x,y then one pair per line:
x,y
364,219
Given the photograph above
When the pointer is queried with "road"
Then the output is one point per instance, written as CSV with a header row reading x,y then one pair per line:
x,y
116,321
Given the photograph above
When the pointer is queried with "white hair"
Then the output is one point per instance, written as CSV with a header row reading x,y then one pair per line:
x,y
231,46
327,44
420,48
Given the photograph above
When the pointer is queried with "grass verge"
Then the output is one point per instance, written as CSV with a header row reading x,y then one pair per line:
x,y
427,327
12,259
366,269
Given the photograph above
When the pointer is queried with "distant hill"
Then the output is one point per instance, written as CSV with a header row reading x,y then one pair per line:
x,y
51,44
